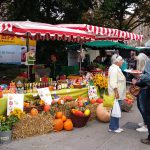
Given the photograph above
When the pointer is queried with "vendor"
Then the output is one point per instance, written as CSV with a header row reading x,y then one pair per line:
x,y
55,67
98,60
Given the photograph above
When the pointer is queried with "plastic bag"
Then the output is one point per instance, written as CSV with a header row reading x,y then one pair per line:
x,y
116,111
108,101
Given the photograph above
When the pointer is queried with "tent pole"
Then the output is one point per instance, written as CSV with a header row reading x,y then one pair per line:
x,y
80,64
27,45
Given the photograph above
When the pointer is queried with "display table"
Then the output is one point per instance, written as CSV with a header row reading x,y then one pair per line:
x,y
83,92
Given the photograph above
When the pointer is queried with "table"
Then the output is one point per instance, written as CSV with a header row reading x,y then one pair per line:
x,y
83,92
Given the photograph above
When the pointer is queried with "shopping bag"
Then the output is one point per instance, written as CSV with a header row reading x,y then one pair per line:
x,y
108,101
116,111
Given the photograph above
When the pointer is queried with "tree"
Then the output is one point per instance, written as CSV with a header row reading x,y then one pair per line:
x,y
49,11
121,14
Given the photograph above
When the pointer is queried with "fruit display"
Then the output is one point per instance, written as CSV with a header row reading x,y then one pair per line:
x,y
80,116
103,113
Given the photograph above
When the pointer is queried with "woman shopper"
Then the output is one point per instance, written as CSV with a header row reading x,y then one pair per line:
x,y
144,81
116,87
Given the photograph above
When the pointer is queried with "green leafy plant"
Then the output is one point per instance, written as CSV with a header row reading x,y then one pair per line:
x,y
6,123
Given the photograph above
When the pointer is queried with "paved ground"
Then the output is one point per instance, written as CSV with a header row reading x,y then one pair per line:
x,y
94,136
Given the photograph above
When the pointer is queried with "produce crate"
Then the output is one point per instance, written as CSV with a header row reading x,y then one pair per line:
x,y
78,121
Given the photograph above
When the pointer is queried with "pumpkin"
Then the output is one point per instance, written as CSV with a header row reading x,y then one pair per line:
x,y
59,115
68,125
46,108
60,101
103,113
64,118
34,111
58,125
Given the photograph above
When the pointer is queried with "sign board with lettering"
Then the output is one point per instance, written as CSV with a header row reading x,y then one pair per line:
x,y
13,49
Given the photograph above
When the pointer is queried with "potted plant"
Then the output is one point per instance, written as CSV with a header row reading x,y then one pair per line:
x,y
6,124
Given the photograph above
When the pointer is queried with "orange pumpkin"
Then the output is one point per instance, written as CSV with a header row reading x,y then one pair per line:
x,y
60,101
34,111
58,124
68,125
59,115
64,118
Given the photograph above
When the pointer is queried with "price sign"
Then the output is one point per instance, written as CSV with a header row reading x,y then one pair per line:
x,y
45,95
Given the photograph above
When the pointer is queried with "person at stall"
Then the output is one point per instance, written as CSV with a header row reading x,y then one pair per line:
x,y
98,60
55,67
144,82
116,87
132,60
107,61
141,61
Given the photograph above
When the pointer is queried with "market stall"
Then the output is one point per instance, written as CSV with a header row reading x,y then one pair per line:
x,y
53,105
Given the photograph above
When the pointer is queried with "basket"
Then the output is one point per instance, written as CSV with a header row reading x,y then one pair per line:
x,y
79,121
126,107
28,109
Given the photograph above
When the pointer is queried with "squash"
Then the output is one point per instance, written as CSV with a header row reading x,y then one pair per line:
x,y
103,113
59,115
64,118
58,125
68,125
34,111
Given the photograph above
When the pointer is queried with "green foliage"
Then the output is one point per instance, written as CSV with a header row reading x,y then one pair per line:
x,y
7,123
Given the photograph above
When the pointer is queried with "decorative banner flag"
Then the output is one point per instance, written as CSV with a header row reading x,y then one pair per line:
x,y
45,95
14,101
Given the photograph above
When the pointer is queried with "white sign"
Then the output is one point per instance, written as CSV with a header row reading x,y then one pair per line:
x,y
14,101
92,92
45,95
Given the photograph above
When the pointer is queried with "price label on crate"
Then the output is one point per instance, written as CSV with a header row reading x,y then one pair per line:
x,y
45,95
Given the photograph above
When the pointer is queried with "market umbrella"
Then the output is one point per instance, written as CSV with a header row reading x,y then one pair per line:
x,y
42,31
109,44
102,33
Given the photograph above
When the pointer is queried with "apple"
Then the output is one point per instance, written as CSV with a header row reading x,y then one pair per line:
x,y
47,108
80,104
99,100
79,113
87,112
92,101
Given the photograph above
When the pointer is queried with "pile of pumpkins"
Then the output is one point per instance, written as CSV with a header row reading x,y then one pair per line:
x,y
62,122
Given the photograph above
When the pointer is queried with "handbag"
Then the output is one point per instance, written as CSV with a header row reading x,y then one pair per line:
x,y
134,90
116,111
108,100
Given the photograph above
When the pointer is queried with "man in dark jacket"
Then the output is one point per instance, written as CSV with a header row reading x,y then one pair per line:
x,y
144,81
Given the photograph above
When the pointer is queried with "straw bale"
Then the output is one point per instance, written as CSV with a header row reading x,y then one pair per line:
x,y
33,125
